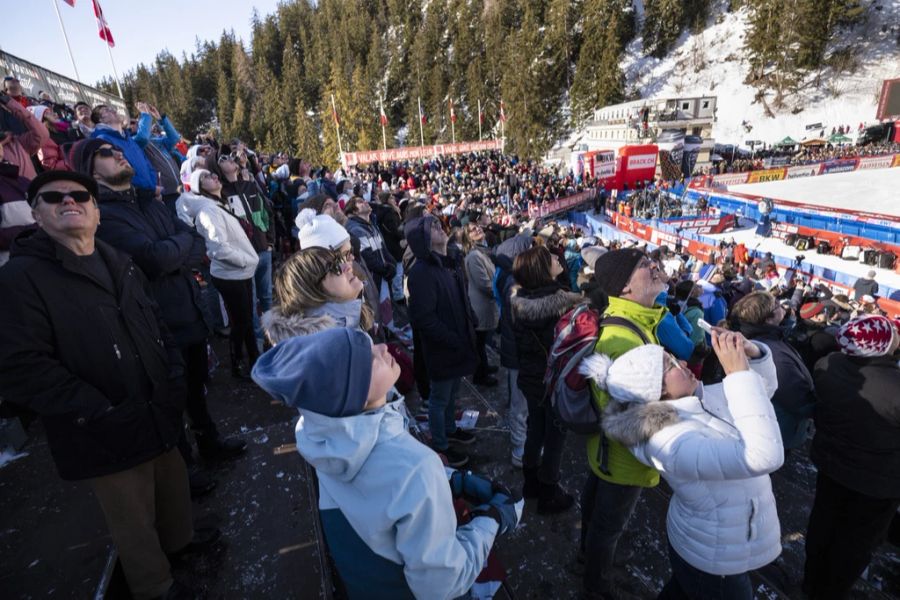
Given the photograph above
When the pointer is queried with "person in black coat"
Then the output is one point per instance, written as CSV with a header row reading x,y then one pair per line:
x,y
757,316
536,305
440,314
165,249
82,344
856,450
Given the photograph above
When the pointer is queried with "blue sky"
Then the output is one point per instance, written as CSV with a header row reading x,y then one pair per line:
x,y
140,28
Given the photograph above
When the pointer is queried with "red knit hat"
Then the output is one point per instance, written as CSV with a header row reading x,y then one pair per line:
x,y
868,335
811,309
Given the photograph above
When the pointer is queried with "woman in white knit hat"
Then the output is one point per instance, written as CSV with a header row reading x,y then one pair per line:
x,y
715,446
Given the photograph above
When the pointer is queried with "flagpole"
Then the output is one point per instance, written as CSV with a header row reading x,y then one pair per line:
x,y
421,132
381,118
66,38
452,123
116,75
502,128
479,120
337,127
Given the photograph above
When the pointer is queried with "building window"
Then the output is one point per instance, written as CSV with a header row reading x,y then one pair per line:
x,y
685,105
706,104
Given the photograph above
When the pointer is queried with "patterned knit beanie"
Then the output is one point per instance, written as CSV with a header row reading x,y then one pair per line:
x,y
868,335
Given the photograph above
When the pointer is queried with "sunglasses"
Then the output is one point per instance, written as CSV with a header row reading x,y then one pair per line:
x,y
57,197
107,152
336,265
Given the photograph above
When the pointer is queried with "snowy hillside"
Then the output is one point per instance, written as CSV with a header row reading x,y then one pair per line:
x,y
712,62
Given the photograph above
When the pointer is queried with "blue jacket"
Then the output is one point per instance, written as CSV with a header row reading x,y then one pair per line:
x,y
674,332
387,510
144,174
439,307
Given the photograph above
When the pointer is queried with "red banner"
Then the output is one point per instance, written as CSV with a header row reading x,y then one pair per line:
x,y
563,204
415,152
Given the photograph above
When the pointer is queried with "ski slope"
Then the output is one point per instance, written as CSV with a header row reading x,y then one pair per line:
x,y
873,191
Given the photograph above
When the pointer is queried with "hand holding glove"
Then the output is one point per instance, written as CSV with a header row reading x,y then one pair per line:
x,y
503,509
473,488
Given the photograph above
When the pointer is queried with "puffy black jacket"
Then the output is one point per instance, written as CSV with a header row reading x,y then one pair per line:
x,y
166,249
534,316
504,255
857,441
795,398
439,307
99,367
391,227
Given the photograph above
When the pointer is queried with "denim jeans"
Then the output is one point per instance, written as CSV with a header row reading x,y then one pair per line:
x,y
605,510
213,300
690,583
397,284
518,411
442,411
262,290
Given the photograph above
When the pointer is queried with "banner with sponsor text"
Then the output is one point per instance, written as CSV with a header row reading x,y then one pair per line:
x,y
563,204
841,165
418,152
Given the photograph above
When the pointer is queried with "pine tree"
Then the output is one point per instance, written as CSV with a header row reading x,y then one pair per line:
x,y
662,25
306,141
598,79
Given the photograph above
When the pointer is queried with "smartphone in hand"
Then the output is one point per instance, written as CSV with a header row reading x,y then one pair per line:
x,y
705,326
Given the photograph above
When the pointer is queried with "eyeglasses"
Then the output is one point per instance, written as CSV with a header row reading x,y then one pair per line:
x,y
226,157
79,196
107,152
336,265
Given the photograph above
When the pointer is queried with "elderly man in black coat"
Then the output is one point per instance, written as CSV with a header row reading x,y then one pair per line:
x,y
165,249
84,346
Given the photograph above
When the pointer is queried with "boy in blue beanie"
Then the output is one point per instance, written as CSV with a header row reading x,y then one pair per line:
x,y
384,499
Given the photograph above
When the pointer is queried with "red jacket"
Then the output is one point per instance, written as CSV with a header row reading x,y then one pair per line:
x,y
22,145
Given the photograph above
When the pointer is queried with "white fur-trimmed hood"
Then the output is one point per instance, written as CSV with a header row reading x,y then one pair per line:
x,y
279,327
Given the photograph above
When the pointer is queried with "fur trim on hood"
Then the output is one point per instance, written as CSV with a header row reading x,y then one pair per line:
x,y
552,305
279,327
635,423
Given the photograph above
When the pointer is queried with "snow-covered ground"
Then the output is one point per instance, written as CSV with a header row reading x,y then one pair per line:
x,y
874,191
835,263
713,62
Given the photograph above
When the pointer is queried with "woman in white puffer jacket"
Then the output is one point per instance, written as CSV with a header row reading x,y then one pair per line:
x,y
715,446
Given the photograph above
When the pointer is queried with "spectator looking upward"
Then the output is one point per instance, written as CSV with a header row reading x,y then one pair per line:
x,y
165,249
110,127
110,397
232,260
537,301
18,147
83,123
632,281
439,312
159,150
50,154
480,277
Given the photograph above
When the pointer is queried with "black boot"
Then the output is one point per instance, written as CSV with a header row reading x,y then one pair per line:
x,y
553,499
532,487
214,447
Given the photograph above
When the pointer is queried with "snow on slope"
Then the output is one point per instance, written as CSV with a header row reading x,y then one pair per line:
x,y
712,62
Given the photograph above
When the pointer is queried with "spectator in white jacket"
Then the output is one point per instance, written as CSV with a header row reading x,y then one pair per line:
x,y
715,446
232,260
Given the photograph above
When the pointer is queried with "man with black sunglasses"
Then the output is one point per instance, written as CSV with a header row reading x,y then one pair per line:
x,y
82,344
166,250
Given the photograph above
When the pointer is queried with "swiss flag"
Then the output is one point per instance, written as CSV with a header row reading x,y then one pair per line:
x,y
70,3
424,119
383,117
502,113
452,112
102,25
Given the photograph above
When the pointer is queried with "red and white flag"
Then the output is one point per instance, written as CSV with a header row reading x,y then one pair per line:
x,y
384,119
452,112
102,25
502,113
70,3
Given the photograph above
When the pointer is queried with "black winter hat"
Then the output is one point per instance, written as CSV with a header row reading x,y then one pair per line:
x,y
49,176
613,270
81,157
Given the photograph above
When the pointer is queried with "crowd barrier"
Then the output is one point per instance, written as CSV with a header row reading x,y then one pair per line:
x,y
417,152
838,165
621,228
872,226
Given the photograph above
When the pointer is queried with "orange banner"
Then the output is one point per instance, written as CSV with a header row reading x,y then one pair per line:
x,y
766,175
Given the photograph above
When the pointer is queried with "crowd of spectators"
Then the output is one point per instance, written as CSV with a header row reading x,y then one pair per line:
x,y
121,239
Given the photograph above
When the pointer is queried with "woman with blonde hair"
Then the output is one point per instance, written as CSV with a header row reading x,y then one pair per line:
x,y
317,288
